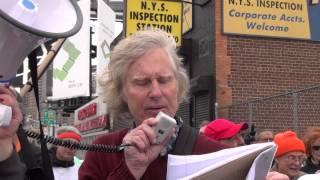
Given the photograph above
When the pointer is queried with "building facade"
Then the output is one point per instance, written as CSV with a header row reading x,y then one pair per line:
x,y
269,82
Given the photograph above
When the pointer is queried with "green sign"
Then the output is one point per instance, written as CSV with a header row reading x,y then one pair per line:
x,y
49,116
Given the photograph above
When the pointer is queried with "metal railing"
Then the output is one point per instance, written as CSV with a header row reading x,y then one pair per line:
x,y
294,109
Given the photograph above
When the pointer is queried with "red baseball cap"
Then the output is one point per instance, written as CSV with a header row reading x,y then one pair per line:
x,y
223,129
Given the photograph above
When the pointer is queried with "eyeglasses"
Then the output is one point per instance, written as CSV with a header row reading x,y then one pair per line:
x,y
292,158
316,147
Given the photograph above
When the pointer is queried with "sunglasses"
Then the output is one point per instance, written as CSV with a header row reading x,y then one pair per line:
x,y
316,148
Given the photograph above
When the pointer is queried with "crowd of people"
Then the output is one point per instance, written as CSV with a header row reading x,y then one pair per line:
x,y
145,76
294,157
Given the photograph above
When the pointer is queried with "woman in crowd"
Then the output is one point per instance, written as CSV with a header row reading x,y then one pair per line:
x,y
312,142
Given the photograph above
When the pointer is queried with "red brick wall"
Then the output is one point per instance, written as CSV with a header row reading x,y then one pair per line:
x,y
254,67
223,62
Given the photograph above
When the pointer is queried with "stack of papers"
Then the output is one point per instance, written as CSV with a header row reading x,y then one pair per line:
x,y
248,162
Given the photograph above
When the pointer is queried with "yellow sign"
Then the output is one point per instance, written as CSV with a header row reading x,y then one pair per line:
x,y
187,16
277,18
165,15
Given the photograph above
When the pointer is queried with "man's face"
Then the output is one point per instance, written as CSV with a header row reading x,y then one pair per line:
x,y
265,136
235,141
65,154
291,163
151,86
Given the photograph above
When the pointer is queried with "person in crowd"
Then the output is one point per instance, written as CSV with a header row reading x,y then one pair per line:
x,y
312,142
29,153
264,135
11,168
290,154
203,126
226,132
62,158
144,76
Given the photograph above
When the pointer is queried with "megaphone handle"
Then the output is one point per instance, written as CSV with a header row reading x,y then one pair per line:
x,y
5,115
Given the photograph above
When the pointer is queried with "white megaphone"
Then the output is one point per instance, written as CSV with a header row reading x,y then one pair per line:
x,y
25,24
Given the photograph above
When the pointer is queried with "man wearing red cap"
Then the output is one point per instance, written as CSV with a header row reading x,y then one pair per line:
x,y
63,165
290,154
226,132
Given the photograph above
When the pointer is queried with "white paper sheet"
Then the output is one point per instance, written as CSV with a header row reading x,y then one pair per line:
x,y
187,167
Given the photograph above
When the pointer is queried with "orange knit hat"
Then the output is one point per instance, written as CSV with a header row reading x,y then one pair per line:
x,y
288,142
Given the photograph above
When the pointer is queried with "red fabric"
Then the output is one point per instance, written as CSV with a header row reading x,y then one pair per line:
x,y
288,142
222,129
70,135
112,166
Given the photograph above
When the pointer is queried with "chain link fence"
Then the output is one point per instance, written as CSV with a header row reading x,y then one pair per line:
x,y
295,110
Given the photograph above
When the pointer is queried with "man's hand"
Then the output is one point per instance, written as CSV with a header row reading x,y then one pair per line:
x,y
143,149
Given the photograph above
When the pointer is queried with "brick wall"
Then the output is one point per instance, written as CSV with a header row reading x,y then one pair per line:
x,y
255,67
223,62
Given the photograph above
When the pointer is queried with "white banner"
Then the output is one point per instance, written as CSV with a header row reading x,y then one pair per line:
x,y
105,30
105,34
72,63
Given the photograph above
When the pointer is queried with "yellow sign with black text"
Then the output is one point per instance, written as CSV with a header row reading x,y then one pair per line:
x,y
275,18
165,15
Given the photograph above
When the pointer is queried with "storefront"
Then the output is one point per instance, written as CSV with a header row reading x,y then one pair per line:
x,y
92,120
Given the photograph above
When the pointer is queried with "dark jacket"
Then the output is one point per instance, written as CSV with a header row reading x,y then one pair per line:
x,y
30,155
309,167
12,168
